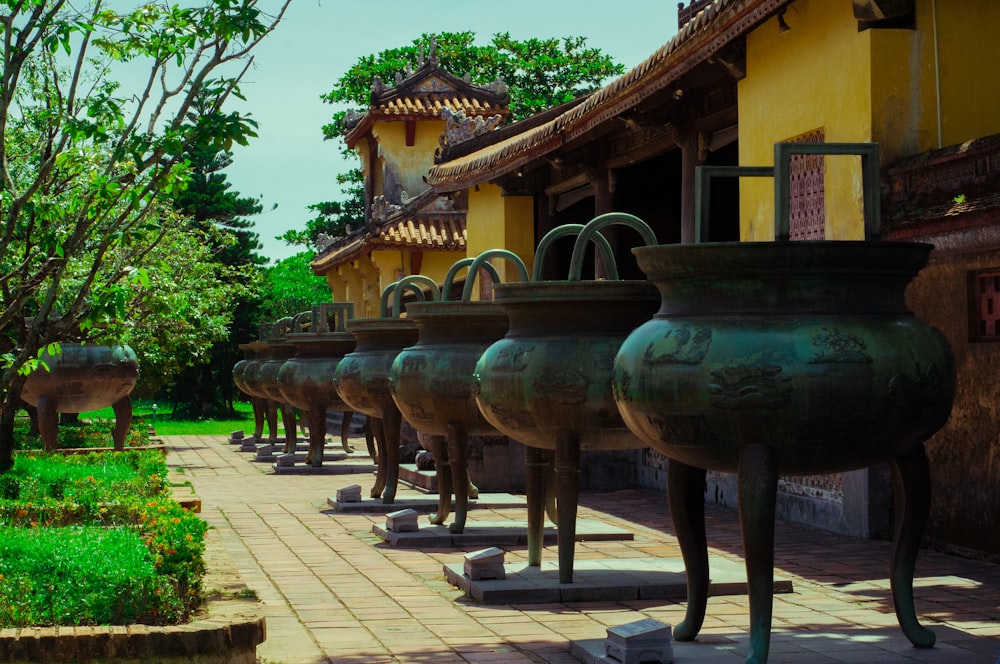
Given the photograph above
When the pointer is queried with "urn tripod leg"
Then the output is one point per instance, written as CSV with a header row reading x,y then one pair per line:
x,y
391,421
259,410
123,421
288,421
345,431
317,433
686,497
377,432
48,422
439,451
758,486
911,483
271,410
537,465
370,439
567,495
458,443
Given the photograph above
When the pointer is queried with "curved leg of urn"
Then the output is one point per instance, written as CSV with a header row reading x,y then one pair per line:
x,y
911,483
123,421
345,431
375,425
48,423
686,496
370,439
758,486
458,442
536,470
259,407
288,421
391,421
439,451
271,411
317,433
567,495
551,509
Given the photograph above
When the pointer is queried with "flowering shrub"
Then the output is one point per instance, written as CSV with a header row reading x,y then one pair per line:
x,y
101,506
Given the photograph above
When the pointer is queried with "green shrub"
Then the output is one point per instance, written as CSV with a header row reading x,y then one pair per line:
x,y
89,497
82,575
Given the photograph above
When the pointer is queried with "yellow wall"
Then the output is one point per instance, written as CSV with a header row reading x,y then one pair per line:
x,y
408,163
496,221
878,85
814,76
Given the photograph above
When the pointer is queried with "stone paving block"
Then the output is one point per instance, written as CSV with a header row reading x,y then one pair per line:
x,y
496,533
425,504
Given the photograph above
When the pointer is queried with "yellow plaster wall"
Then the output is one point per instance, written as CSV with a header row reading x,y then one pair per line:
x,y
410,163
496,221
338,288
877,85
814,76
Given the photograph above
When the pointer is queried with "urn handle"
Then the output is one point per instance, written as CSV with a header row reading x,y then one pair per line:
x,y
603,221
397,288
457,267
482,261
572,229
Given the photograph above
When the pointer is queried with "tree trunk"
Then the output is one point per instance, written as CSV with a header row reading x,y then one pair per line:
x,y
8,409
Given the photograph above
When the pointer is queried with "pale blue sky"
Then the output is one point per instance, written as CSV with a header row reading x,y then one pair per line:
x,y
290,164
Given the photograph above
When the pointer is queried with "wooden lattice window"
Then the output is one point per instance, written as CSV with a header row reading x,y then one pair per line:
x,y
984,319
807,213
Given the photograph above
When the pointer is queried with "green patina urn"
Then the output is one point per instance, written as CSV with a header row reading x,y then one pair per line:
x,y
306,378
362,380
807,347
785,358
83,377
547,383
432,385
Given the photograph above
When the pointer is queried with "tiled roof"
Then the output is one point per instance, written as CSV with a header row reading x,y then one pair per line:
x,y
431,105
716,25
434,231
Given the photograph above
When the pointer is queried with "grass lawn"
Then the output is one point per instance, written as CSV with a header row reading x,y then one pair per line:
x,y
165,426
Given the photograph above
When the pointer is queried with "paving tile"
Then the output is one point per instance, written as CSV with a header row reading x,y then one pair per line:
x,y
331,592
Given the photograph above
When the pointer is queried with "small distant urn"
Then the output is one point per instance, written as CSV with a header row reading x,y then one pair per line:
x,y
83,377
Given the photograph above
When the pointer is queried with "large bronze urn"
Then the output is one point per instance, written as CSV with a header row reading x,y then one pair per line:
x,y
265,379
547,383
83,377
362,379
432,383
306,379
245,371
770,358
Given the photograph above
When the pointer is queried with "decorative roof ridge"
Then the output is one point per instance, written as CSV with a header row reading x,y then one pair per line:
x,y
714,26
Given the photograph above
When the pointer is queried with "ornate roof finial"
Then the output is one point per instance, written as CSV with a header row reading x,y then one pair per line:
x,y
434,52
378,87
420,56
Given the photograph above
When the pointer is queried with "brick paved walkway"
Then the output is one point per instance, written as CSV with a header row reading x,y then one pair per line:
x,y
331,592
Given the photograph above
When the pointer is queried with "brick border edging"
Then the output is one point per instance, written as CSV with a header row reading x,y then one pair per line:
x,y
229,631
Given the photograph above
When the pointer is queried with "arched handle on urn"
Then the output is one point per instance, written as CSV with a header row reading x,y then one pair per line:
x,y
482,261
603,221
397,288
457,267
600,241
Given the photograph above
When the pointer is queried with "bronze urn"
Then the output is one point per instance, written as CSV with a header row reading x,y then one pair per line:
x,y
432,383
362,378
82,377
547,383
306,379
771,358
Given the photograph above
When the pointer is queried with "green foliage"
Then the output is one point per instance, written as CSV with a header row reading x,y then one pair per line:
x,y
81,575
86,168
539,73
290,287
95,539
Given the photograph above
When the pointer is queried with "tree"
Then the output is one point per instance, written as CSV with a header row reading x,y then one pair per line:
x,y
290,287
84,165
205,388
540,73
